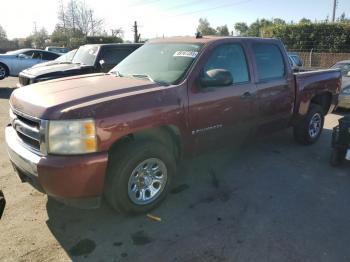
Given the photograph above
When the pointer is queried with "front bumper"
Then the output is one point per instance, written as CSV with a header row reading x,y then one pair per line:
x,y
69,179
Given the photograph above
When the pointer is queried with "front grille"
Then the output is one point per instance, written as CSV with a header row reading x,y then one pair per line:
x,y
23,80
27,129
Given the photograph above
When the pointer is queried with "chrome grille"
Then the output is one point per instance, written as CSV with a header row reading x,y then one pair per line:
x,y
30,130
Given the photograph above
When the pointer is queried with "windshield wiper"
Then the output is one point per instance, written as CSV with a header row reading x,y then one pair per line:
x,y
116,73
142,76
149,78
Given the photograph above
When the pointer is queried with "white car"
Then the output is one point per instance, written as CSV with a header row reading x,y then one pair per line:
x,y
14,62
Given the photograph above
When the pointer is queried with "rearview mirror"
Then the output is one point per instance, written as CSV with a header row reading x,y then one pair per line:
x,y
21,56
217,77
101,62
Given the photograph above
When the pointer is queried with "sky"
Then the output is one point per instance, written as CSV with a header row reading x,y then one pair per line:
x,y
158,18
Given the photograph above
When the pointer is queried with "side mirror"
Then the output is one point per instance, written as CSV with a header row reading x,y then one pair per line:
x,y
217,77
348,74
101,62
21,56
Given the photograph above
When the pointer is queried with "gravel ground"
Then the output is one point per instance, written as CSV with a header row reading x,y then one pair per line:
x,y
271,200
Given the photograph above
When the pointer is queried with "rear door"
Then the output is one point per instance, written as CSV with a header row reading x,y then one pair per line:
x,y
275,85
220,115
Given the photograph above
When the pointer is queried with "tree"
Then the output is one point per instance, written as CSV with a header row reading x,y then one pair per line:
x,y
204,27
39,38
305,21
117,32
3,35
241,29
343,19
78,17
223,30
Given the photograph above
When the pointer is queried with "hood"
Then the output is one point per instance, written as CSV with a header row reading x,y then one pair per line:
x,y
48,63
51,99
54,69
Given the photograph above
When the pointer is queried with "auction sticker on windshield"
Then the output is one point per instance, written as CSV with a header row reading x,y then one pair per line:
x,y
191,54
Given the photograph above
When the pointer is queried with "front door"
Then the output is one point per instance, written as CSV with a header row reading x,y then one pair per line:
x,y
222,114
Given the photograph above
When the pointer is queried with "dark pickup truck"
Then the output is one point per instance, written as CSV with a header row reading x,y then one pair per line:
x,y
93,58
120,134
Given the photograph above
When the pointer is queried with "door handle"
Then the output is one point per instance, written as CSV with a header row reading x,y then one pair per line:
x,y
247,95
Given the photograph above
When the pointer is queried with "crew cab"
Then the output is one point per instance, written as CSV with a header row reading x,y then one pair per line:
x,y
120,134
92,58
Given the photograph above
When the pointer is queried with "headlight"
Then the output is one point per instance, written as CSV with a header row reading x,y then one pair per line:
x,y
346,90
72,137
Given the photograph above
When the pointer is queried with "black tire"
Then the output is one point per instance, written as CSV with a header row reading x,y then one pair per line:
x,y
337,157
3,68
122,162
301,130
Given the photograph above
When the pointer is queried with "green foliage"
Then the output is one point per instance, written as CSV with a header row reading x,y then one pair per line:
x,y
204,27
325,37
242,29
222,30
303,36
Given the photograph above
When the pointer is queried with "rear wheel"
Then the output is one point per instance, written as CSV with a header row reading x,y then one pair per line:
x,y
310,128
138,177
3,71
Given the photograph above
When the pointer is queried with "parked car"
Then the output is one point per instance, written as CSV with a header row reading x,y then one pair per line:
x,y
121,134
14,62
88,59
344,97
58,50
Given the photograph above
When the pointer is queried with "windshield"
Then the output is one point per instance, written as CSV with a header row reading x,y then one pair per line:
x,y
66,57
86,55
60,50
344,68
159,62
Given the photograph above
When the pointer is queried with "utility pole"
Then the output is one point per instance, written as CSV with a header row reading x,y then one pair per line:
x,y
335,3
35,27
137,36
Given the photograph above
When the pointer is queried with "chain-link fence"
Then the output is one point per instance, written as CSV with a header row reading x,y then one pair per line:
x,y
320,60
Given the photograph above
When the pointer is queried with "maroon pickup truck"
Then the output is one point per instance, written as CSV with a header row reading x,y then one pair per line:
x,y
120,134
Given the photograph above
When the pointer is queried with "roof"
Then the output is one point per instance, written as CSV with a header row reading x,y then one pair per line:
x,y
202,40
117,44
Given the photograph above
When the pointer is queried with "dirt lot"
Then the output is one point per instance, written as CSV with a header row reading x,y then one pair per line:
x,y
272,200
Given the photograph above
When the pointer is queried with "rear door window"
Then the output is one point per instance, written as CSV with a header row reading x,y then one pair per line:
x,y
269,62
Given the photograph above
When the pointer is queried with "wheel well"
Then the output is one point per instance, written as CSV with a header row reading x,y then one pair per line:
x,y
324,100
167,135
6,67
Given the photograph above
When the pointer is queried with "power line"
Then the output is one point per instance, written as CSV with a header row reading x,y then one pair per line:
x,y
213,8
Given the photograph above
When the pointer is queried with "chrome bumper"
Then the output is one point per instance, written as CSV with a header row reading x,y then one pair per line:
x,y
21,157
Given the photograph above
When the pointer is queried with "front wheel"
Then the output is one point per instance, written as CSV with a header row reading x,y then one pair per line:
x,y
138,176
310,128
3,71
